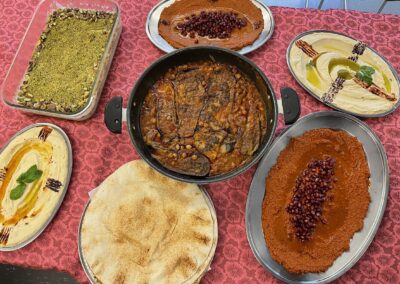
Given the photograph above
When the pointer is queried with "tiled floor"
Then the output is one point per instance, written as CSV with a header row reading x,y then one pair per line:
x,y
360,5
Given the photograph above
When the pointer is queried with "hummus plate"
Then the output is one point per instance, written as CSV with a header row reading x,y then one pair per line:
x,y
379,188
35,169
344,73
154,36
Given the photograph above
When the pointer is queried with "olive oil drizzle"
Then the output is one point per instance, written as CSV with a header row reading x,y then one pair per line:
x,y
349,62
45,150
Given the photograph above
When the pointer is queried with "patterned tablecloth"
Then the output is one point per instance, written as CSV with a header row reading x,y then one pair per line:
x,y
97,152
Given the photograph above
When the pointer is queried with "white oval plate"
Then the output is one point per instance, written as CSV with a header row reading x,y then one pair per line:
x,y
65,182
304,85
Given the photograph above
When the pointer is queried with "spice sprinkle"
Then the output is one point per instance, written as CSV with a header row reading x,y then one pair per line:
x,y
65,63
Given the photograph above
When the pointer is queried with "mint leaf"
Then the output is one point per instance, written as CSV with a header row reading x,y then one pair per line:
x,y
365,74
30,175
367,70
18,191
365,78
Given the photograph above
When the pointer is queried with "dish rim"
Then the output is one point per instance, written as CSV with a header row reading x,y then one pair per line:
x,y
378,215
86,268
105,62
331,105
170,48
67,181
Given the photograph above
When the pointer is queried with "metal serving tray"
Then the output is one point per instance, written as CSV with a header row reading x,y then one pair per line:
x,y
85,266
66,182
84,263
395,106
378,190
154,16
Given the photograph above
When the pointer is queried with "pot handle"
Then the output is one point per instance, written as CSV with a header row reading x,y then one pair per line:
x,y
114,115
289,105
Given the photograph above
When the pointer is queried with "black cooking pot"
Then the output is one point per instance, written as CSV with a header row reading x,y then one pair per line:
x,y
115,114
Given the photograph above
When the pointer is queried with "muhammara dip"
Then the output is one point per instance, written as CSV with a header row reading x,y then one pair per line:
x,y
317,60
326,172
22,216
243,15
142,227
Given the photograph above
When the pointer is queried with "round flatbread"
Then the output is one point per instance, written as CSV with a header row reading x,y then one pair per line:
x,y
142,227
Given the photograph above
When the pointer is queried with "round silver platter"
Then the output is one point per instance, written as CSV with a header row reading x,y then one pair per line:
x,y
154,16
66,182
86,266
395,106
379,188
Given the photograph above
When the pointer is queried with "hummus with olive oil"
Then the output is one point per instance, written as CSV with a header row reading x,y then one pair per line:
x,y
22,218
333,53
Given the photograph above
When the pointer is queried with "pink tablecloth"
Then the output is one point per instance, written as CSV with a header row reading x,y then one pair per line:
x,y
97,152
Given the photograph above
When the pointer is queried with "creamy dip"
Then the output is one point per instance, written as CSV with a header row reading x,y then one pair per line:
x,y
334,51
22,218
344,210
180,9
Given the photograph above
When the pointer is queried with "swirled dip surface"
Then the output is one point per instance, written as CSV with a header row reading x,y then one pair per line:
x,y
22,218
345,200
318,66
181,10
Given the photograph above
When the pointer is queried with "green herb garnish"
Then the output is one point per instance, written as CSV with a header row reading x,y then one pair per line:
x,y
32,174
18,191
365,74
310,64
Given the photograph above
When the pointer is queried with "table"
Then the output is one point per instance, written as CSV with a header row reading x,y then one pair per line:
x,y
97,152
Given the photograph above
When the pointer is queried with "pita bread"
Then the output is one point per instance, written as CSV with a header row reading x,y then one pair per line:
x,y
142,227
